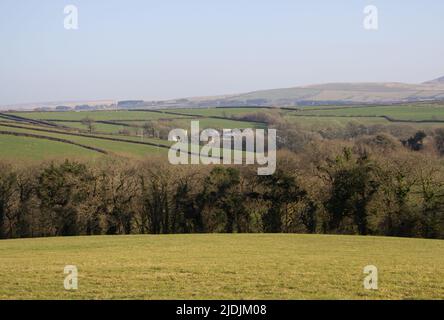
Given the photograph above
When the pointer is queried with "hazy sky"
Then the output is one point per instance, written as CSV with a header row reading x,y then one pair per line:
x,y
167,49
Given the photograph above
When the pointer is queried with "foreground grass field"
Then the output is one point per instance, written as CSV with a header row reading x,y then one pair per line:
x,y
222,267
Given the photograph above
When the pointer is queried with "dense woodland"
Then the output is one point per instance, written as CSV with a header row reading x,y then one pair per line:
x,y
367,180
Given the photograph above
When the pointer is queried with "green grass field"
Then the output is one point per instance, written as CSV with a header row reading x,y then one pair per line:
x,y
219,112
206,123
98,127
222,267
20,148
310,118
319,122
96,115
407,112
113,147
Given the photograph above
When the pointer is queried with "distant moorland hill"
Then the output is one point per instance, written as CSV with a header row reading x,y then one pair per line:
x,y
320,94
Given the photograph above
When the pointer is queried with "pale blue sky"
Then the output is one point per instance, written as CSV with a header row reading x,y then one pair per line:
x,y
175,48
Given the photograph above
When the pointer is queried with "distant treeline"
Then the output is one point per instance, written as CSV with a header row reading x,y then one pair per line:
x,y
368,186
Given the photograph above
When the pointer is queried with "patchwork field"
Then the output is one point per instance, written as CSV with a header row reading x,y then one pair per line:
x,y
116,147
222,267
206,266
120,132
96,115
218,112
13,148
432,112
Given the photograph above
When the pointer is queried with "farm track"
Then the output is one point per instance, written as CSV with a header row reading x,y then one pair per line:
x,y
31,135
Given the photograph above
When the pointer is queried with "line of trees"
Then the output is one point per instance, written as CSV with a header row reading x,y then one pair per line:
x,y
360,187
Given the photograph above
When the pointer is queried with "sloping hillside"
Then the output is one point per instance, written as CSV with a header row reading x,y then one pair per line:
x,y
340,93
439,81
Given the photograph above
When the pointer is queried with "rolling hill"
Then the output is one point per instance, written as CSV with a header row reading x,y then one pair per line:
x,y
319,94
337,93
439,81
322,94
222,266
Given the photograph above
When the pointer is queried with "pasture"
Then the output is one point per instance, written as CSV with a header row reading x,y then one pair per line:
x,y
422,112
120,132
219,266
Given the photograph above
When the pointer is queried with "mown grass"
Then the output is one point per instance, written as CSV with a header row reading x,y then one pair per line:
x,y
222,267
